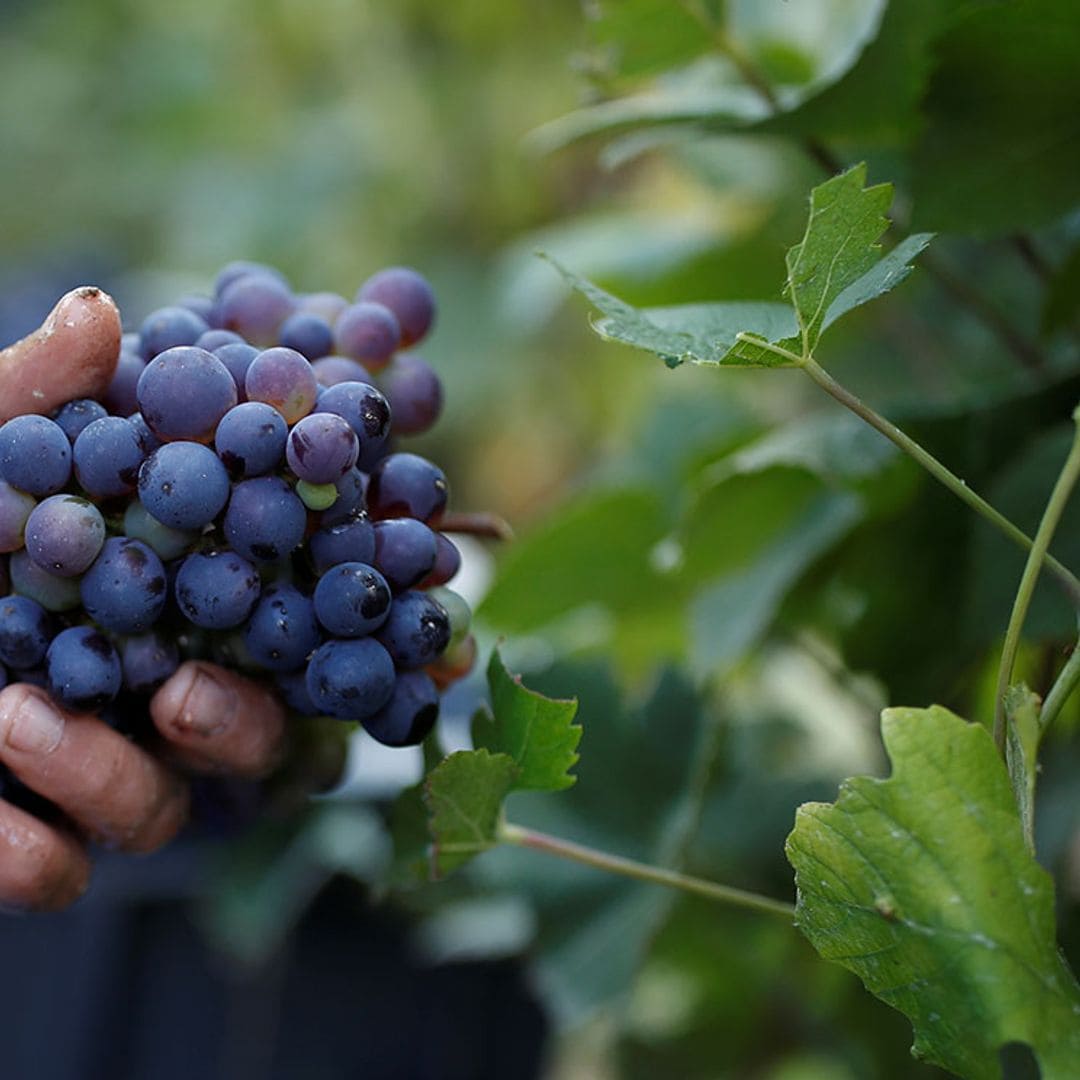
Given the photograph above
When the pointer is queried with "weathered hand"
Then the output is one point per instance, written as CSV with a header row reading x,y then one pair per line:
x,y
113,792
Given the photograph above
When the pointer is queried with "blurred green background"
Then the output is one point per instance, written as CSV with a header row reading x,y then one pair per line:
x,y
732,622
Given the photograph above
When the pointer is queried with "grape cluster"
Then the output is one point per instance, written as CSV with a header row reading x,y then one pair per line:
x,y
238,495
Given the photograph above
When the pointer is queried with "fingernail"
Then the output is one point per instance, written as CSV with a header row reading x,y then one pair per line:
x,y
33,726
208,705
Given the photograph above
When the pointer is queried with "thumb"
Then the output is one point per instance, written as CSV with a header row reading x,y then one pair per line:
x,y
71,355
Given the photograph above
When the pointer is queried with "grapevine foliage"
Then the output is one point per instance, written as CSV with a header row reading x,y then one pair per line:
x,y
922,885
836,267
526,742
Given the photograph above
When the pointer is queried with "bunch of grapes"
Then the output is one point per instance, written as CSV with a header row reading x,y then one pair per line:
x,y
237,495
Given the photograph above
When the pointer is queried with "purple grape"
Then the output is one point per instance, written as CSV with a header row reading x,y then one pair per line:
x,y
408,295
183,485
237,357
410,714
217,589
108,455
64,534
322,448
212,340
201,305
331,370
405,551
351,489
416,631
447,563
283,378
282,631
167,327
25,632
307,334
255,306
351,541
352,599
292,685
35,455
147,660
250,440
147,439
15,507
407,485
265,520
184,392
367,332
82,669
76,415
125,590
367,411
121,397
350,679
240,268
415,394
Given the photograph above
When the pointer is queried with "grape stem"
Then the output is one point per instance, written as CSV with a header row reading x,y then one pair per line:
x,y
1055,507
1061,691
1066,579
483,523
616,864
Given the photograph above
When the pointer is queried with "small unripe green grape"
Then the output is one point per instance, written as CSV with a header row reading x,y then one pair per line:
x,y
316,496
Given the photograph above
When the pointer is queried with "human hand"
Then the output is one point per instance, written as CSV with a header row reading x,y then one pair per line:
x,y
209,719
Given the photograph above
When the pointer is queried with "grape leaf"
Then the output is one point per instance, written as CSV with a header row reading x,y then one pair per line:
x,y
528,742
537,732
464,795
835,268
922,885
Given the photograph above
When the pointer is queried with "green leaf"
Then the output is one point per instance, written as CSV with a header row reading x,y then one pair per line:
x,y
999,146
464,795
835,268
537,732
922,885
1062,306
840,245
646,36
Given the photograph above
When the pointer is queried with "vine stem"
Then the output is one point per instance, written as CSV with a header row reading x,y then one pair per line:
x,y
939,472
1060,692
616,864
1055,507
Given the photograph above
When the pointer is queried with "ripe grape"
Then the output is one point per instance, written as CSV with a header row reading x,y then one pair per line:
x,y
167,327
351,541
283,378
35,455
368,412
64,534
250,439
409,715
240,268
265,520
184,392
237,357
416,631
120,397
217,589
76,415
322,448
82,668
407,485
255,305
282,631
405,551
25,632
367,332
350,679
415,394
308,334
108,455
408,295
330,370
183,485
125,590
352,599
147,660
